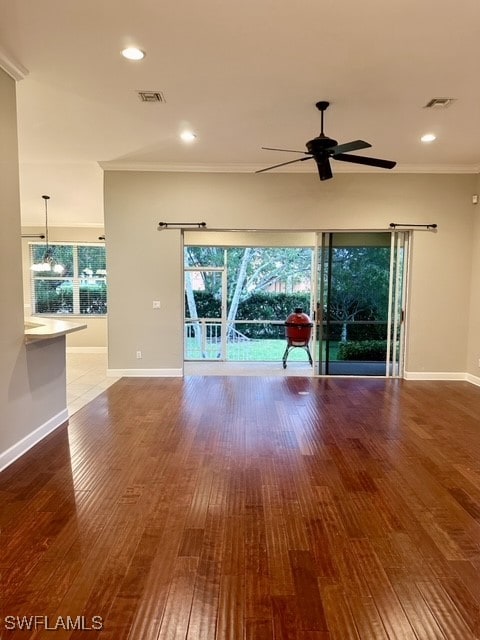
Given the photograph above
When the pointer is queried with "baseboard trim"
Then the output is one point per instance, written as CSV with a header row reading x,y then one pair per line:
x,y
86,349
435,375
473,379
144,373
408,375
20,448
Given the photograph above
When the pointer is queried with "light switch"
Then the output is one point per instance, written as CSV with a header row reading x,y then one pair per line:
x,y
156,304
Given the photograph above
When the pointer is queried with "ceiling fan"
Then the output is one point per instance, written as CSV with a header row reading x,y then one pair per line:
x,y
322,148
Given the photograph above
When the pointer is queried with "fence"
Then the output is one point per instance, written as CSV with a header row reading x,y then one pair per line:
x,y
264,340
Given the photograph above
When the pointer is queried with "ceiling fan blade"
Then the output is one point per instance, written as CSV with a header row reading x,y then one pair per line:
x,y
289,150
282,164
324,168
372,162
355,145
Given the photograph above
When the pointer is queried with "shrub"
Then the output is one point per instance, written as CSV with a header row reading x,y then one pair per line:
x,y
333,331
269,306
367,332
259,306
93,298
51,297
369,350
55,296
208,305
272,306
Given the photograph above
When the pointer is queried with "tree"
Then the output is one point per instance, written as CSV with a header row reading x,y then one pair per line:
x,y
359,285
241,276
201,257
267,267
253,269
249,270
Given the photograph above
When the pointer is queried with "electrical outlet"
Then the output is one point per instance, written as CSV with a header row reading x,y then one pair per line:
x,y
156,304
139,355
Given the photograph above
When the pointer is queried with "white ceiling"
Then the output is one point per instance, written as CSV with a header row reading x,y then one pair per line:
x,y
242,74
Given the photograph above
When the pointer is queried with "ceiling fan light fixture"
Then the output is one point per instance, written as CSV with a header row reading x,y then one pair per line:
x,y
133,53
428,137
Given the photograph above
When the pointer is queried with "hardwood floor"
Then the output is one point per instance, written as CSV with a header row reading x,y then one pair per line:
x,y
232,508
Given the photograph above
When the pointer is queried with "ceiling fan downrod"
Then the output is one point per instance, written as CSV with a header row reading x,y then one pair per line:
x,y
322,106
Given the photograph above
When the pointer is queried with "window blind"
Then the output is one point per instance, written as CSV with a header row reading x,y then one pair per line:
x,y
80,288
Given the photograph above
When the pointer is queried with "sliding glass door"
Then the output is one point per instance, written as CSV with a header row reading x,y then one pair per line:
x,y
361,280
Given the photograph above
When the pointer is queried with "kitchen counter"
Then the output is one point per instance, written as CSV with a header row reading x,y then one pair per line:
x,y
46,328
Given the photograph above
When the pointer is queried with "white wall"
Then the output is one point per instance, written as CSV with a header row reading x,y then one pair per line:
x,y
32,377
146,264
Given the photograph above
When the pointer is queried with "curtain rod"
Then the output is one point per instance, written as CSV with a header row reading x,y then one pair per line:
x,y
394,225
203,225
33,235
181,225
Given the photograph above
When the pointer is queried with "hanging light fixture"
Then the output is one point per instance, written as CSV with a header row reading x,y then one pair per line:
x,y
48,262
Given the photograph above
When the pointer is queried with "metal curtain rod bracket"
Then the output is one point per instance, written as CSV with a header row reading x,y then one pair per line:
x,y
394,225
181,225
101,237
33,235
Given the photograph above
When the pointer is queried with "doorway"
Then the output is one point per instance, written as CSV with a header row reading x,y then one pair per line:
x,y
238,298
355,293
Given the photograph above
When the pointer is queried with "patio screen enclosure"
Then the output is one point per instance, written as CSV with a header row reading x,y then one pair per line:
x,y
351,284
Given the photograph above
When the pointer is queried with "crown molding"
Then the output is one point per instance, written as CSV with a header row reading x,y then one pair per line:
x,y
249,168
29,226
437,168
178,167
12,67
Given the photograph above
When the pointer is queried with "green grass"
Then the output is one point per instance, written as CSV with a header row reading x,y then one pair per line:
x,y
256,351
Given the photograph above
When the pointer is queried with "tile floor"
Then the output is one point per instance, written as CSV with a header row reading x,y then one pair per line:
x,y
86,378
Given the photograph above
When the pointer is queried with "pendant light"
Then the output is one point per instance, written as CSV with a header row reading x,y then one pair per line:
x,y
48,261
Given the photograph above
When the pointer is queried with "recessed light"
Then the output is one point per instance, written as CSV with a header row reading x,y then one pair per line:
x,y
132,53
187,136
428,137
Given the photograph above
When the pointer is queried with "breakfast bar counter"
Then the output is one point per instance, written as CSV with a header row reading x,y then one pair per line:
x,y
46,328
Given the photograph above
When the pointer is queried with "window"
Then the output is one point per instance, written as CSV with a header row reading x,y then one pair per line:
x,y
79,288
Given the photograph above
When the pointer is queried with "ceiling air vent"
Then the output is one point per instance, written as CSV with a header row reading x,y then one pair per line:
x,y
439,103
151,96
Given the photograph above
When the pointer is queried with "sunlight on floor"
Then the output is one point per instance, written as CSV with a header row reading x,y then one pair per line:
x,y
87,374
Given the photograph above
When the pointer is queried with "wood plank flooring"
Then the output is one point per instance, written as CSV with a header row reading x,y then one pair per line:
x,y
237,508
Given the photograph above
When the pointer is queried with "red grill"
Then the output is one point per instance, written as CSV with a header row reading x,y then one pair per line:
x,y
298,331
